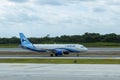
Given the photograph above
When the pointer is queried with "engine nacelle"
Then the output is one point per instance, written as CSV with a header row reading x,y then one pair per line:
x,y
65,52
60,52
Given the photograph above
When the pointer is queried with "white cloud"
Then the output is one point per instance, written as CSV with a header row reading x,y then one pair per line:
x,y
18,1
58,17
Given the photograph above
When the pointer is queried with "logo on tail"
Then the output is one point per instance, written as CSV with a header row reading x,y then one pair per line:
x,y
25,42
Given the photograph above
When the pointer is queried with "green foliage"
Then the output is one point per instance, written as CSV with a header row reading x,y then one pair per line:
x,y
76,39
9,45
63,61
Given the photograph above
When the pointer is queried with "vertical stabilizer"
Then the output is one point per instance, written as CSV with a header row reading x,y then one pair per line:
x,y
25,42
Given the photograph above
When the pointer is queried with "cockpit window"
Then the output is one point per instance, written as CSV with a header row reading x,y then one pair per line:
x,y
82,46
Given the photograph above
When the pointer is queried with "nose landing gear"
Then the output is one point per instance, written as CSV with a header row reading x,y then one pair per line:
x,y
77,54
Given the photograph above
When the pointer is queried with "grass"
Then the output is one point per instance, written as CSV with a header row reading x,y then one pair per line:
x,y
9,45
63,61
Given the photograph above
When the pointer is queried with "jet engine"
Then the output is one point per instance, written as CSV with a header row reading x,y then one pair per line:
x,y
60,52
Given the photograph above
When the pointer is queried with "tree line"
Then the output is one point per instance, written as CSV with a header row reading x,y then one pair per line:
x,y
85,38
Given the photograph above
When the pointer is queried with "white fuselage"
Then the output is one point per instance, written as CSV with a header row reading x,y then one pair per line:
x,y
57,49
76,47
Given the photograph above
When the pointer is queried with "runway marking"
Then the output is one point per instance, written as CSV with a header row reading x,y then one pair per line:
x,y
60,57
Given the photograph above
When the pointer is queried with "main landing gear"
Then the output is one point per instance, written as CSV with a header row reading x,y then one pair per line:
x,y
53,54
77,54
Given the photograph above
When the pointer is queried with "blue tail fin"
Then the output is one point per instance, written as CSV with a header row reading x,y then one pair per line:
x,y
25,42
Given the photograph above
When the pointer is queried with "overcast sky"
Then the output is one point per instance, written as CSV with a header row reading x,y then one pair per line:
x,y
37,18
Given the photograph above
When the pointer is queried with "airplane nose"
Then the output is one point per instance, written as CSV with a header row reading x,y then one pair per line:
x,y
86,49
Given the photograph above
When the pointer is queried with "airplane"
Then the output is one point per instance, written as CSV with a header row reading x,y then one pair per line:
x,y
54,49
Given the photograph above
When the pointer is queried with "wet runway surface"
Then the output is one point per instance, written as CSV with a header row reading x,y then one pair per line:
x,y
59,72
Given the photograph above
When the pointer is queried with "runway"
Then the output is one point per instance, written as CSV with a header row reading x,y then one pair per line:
x,y
59,72
103,49
14,50
89,49
99,57
92,53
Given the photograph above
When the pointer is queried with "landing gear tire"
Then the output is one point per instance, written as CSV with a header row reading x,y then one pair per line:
x,y
56,54
78,55
51,55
